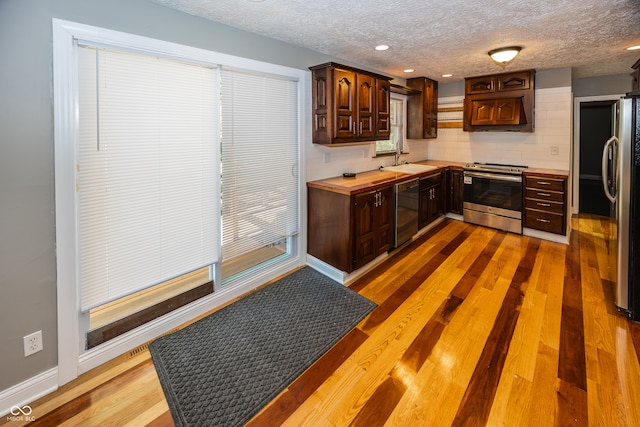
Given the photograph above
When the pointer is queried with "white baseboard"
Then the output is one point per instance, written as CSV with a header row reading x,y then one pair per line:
x,y
339,275
26,392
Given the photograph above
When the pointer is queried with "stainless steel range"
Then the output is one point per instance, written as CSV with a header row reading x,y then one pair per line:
x,y
493,195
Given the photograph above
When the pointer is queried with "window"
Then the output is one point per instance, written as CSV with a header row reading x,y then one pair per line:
x,y
259,169
139,179
395,143
147,172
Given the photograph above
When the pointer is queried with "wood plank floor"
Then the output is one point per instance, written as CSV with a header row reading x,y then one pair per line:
x,y
474,327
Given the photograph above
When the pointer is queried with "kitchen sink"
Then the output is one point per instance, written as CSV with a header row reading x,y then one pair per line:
x,y
410,168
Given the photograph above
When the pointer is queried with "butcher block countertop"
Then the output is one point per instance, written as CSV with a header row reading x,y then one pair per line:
x,y
378,178
551,173
375,179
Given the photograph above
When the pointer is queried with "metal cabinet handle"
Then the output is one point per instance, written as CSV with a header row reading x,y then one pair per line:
x,y
544,183
543,204
544,194
543,220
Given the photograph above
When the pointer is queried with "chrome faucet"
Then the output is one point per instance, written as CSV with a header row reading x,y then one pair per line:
x,y
397,157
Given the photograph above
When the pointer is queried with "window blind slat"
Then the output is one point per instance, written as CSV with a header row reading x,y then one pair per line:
x,y
259,161
147,174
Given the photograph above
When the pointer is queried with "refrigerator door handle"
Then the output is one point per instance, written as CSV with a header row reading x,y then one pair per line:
x,y
605,168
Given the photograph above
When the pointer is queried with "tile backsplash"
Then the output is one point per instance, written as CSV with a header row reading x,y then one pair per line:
x,y
553,132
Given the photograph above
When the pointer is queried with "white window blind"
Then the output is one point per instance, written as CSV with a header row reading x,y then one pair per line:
x,y
259,161
148,174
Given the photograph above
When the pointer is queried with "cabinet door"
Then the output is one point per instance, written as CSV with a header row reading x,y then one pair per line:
x,y
514,81
435,209
423,210
345,104
384,220
373,225
422,109
431,202
503,111
455,191
364,228
430,109
483,84
507,111
483,112
366,105
383,104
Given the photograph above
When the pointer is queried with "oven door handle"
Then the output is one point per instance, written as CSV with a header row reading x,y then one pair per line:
x,y
511,178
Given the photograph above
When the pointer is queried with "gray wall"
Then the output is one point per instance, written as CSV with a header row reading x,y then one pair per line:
x,y
605,85
27,217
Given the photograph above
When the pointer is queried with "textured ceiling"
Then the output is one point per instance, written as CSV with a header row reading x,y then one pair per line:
x,y
444,36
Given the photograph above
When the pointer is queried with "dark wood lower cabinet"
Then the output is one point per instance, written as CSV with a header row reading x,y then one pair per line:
x,y
431,199
373,223
348,231
545,203
455,191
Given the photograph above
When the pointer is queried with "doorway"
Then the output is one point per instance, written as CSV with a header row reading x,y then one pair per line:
x,y
596,126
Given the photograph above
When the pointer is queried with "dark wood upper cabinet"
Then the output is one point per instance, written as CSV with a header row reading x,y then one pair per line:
x,y
349,105
500,102
422,109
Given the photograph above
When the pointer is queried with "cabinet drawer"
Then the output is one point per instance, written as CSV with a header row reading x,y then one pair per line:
x,y
544,183
514,81
535,193
544,205
483,84
430,181
544,221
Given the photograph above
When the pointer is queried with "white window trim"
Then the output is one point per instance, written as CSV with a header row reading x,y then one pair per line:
x,y
404,148
72,359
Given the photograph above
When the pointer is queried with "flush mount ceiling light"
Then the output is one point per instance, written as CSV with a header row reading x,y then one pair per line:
x,y
504,55
447,75
409,70
634,48
382,47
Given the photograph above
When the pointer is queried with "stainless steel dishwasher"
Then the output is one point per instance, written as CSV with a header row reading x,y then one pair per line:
x,y
407,201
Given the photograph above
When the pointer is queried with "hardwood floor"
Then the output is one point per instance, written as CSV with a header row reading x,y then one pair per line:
x,y
474,327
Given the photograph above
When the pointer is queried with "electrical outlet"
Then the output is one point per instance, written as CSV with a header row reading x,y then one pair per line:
x,y
555,150
32,343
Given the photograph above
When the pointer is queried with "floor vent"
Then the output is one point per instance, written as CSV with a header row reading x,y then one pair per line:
x,y
142,348
145,347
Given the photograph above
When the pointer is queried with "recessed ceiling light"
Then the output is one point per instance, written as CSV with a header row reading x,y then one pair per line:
x,y
382,47
634,48
409,70
447,75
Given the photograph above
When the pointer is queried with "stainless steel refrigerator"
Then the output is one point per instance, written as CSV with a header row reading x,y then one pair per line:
x,y
621,181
